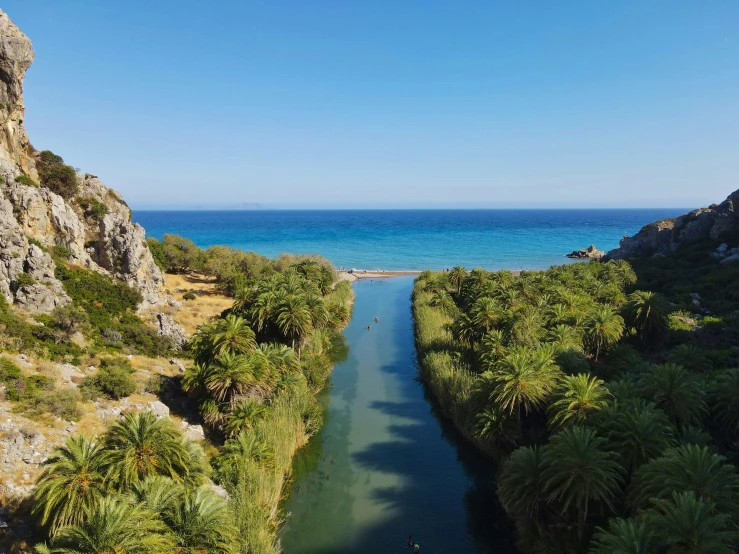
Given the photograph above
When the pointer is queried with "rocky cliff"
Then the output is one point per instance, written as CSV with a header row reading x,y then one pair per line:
x,y
668,235
104,240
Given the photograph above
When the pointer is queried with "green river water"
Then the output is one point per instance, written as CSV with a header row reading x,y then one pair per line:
x,y
386,465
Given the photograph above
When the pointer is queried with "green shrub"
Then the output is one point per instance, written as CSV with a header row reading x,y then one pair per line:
x,y
26,180
56,175
60,253
189,296
113,380
157,384
92,207
62,403
35,242
102,298
22,280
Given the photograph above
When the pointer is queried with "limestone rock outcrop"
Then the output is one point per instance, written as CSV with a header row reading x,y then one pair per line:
x,y
589,253
40,291
667,235
16,56
105,241
168,327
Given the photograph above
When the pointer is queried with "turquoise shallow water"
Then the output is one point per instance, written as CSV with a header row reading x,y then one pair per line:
x,y
385,465
407,239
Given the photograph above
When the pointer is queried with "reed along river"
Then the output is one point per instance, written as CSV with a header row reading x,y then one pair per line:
x,y
385,465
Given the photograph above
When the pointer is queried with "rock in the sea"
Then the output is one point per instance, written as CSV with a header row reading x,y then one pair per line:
x,y
589,253
662,237
168,327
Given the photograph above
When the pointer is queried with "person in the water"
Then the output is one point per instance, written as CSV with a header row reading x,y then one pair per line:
x,y
416,548
410,541
368,327
377,319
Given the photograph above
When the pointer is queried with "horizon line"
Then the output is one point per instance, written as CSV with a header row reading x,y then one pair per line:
x,y
327,209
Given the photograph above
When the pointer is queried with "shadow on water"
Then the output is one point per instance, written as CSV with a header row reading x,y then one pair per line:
x,y
414,475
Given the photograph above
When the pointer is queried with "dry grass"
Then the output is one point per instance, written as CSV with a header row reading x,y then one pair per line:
x,y
210,301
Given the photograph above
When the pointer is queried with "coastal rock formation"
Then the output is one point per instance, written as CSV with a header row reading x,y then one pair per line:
x,y
668,235
102,239
589,253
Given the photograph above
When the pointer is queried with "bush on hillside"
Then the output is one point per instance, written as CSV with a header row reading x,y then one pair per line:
x,y
26,180
113,380
56,176
22,280
92,207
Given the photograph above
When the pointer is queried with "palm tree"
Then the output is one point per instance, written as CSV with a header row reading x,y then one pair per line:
x,y
604,327
580,471
233,336
576,397
520,384
142,445
691,358
230,335
457,276
229,377
485,314
521,484
294,319
115,526
72,483
646,312
202,522
495,427
158,493
244,416
492,348
691,524
676,391
637,431
624,536
317,308
623,272
726,394
565,337
686,468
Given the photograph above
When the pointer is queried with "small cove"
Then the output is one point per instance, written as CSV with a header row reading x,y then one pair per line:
x,y
385,465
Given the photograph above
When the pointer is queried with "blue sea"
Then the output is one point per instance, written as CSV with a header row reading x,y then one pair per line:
x,y
409,239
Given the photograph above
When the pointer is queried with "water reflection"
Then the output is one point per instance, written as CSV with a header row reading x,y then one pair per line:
x,y
389,465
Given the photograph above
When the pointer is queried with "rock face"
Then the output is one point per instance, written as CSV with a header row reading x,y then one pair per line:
x,y
18,259
668,235
105,242
589,253
168,327
16,55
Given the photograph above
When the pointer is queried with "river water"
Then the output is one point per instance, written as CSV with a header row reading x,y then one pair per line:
x,y
385,465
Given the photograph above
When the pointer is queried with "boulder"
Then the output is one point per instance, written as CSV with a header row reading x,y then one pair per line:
x,y
159,409
589,253
194,433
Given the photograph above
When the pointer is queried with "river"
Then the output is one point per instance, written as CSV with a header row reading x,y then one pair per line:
x,y
385,464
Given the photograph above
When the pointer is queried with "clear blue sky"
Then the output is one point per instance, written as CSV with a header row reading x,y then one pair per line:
x,y
390,103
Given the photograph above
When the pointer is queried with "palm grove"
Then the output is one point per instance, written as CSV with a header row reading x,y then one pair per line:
x,y
611,422
143,488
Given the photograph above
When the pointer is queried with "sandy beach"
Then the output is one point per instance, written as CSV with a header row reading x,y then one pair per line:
x,y
376,274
